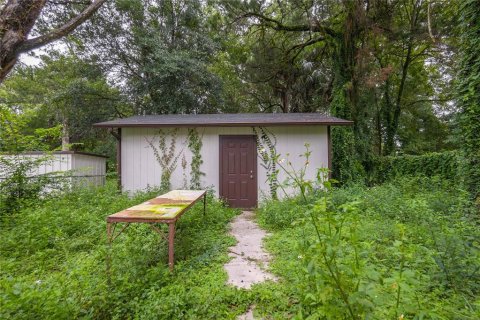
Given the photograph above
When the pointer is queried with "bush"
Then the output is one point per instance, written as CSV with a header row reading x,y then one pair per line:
x,y
443,164
17,187
277,215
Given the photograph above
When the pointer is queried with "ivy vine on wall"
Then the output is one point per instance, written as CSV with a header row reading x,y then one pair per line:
x,y
267,152
166,156
195,145
184,172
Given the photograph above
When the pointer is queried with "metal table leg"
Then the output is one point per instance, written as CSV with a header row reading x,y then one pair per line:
x,y
171,240
204,203
109,251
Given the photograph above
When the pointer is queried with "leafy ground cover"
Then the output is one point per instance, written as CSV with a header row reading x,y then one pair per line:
x,y
53,263
409,249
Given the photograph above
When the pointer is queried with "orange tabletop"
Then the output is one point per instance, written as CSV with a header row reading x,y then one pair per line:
x,y
165,208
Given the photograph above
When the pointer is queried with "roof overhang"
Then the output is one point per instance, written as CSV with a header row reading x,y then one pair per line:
x,y
226,120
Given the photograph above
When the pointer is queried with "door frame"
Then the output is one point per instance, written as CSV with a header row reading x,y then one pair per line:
x,y
221,138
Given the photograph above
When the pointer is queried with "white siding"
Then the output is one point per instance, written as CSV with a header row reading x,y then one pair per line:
x,y
86,169
140,169
52,163
89,169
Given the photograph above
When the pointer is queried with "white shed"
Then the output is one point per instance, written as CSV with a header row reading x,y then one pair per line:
x,y
236,155
79,168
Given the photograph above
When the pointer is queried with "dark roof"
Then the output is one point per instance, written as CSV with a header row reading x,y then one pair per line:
x,y
225,120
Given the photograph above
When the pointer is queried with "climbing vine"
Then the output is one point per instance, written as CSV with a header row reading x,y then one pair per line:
x,y
267,152
184,172
166,156
468,88
346,165
195,145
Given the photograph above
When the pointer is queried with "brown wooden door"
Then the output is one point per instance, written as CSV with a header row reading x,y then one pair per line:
x,y
238,171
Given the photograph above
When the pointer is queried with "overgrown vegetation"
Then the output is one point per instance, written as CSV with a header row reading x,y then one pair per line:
x,y
408,249
53,262
404,249
195,145
266,143
445,165
18,188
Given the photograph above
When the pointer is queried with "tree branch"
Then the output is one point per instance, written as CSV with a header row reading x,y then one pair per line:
x,y
279,26
306,44
62,31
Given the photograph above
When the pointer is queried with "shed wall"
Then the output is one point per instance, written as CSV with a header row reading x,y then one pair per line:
x,y
89,169
83,169
141,170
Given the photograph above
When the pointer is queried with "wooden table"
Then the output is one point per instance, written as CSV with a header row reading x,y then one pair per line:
x,y
167,208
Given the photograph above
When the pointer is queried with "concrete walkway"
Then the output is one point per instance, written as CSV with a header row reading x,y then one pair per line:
x,y
249,259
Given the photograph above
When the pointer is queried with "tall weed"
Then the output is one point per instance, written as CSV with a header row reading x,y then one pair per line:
x,y
406,249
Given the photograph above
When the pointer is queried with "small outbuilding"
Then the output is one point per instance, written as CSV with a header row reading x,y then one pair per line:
x,y
241,157
76,168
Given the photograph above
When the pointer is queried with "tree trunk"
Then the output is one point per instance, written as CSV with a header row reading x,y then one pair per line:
x,y
17,19
393,120
65,135
347,142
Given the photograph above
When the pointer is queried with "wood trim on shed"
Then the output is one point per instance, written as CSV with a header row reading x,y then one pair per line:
x,y
329,143
119,159
118,135
226,120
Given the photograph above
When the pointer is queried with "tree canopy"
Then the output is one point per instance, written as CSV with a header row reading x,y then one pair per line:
x,y
390,66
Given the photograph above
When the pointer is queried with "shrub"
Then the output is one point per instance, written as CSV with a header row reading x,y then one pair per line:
x,y
443,164
18,188
406,249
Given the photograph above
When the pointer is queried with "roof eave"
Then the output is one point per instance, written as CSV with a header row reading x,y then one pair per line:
x,y
245,124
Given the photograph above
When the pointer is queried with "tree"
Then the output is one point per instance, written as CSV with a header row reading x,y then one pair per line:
x,y
282,75
16,136
159,51
340,28
62,90
18,18
382,63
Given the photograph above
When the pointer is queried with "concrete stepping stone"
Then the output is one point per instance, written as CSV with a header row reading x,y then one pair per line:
x,y
249,259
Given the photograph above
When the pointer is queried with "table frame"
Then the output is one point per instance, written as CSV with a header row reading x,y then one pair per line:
x,y
113,221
